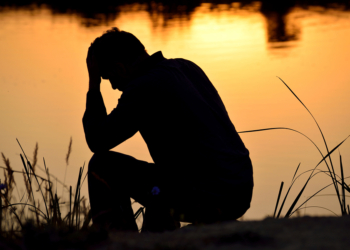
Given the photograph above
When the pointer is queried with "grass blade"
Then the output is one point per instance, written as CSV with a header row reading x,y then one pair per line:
x,y
302,190
70,206
22,149
327,155
318,207
278,199
296,171
324,139
28,176
296,200
76,198
139,211
31,168
332,173
0,213
285,198
42,194
25,204
87,220
282,128
314,196
13,211
290,129
342,185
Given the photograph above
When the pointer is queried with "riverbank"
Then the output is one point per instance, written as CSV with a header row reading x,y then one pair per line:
x,y
298,233
304,233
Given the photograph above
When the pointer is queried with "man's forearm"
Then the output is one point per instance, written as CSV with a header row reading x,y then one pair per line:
x,y
94,116
93,70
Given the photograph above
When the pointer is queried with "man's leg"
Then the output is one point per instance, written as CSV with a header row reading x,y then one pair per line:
x,y
200,207
112,179
184,202
115,177
203,207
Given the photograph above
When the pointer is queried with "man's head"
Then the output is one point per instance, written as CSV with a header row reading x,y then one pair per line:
x,y
115,52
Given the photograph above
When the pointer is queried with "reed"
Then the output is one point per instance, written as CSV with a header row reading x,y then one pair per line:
x,y
67,161
30,206
337,182
77,216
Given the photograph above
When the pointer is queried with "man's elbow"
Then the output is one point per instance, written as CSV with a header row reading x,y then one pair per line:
x,y
97,145
92,138
94,146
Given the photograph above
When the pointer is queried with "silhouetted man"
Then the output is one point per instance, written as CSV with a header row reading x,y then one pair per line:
x,y
201,173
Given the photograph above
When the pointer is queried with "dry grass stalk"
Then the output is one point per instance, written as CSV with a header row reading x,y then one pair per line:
x,y
5,194
46,191
69,150
28,186
50,198
9,179
13,217
35,157
85,209
67,162
37,213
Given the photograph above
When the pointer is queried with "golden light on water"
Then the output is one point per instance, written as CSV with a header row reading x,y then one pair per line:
x,y
43,82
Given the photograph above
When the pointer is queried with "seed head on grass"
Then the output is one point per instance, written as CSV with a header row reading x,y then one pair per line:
x,y
67,162
9,175
9,179
35,157
69,150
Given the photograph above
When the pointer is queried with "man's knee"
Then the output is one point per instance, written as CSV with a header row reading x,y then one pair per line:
x,y
102,162
96,161
102,168
110,161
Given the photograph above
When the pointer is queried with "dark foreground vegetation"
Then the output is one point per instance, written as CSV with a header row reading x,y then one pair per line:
x,y
307,233
43,219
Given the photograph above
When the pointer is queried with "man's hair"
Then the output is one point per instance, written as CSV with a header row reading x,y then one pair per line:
x,y
116,46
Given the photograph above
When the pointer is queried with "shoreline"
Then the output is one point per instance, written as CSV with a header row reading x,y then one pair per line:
x,y
296,233
306,233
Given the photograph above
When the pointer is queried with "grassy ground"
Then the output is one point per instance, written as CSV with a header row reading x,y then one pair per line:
x,y
296,233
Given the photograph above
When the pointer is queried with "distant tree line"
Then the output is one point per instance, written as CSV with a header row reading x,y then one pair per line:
x,y
106,11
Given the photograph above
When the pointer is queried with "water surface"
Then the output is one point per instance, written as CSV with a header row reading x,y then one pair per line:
x,y
43,83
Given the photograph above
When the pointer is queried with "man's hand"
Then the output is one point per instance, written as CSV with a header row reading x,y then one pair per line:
x,y
94,72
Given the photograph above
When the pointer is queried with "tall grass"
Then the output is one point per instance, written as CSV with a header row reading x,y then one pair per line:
x,y
48,211
337,181
13,215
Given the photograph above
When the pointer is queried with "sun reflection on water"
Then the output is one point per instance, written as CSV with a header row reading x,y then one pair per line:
x,y
43,79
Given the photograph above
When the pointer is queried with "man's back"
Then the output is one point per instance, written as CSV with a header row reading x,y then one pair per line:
x,y
185,125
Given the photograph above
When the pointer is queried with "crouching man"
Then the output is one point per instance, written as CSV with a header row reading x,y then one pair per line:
x,y
201,173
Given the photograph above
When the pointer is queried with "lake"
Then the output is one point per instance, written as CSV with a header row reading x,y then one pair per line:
x,y
242,47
